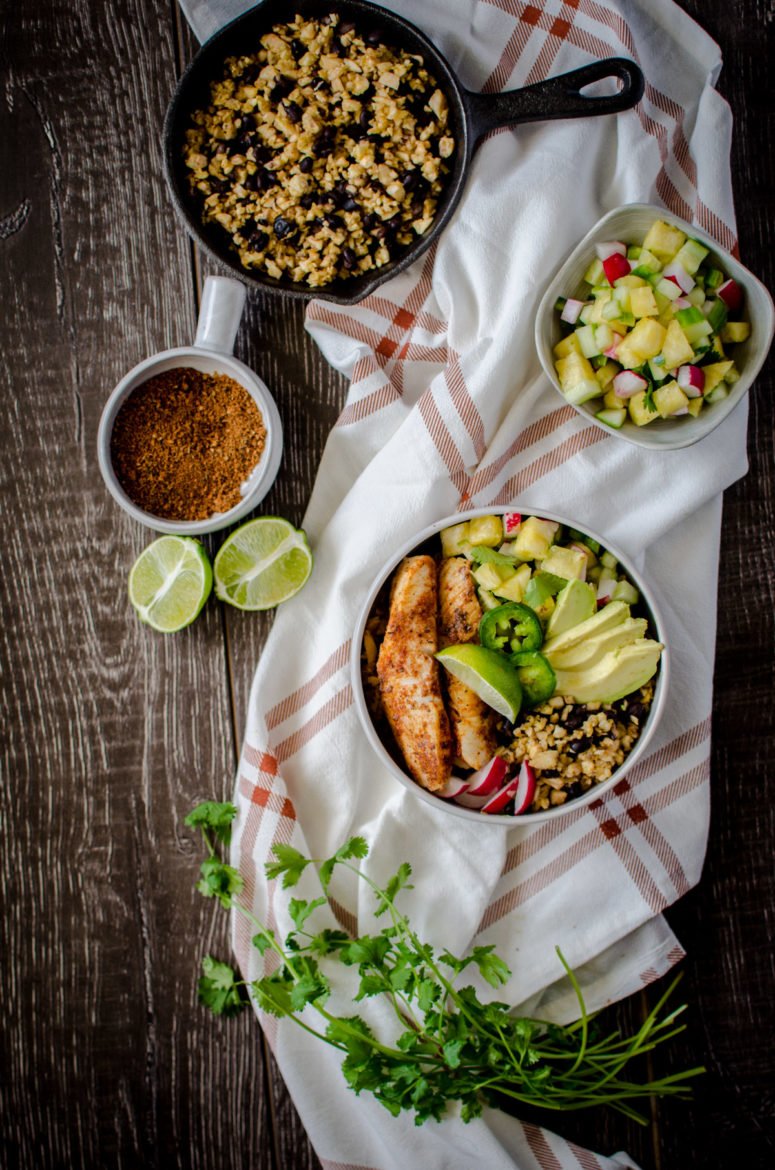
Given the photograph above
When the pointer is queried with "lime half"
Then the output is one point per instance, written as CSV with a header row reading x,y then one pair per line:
x,y
170,582
488,674
262,563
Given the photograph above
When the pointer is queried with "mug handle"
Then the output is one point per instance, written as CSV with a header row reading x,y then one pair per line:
x,y
223,300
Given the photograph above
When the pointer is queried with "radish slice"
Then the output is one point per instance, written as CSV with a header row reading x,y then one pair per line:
x,y
468,801
610,248
498,802
683,410
731,294
677,273
627,382
615,266
691,379
489,778
454,787
511,523
526,786
605,588
571,310
681,303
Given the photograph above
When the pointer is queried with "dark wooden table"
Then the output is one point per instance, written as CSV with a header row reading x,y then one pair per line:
x,y
110,733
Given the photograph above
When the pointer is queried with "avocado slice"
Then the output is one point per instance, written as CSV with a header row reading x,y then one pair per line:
x,y
618,673
576,602
610,615
584,655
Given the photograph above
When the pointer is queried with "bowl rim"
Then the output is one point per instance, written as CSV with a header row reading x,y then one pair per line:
x,y
639,436
579,802
267,467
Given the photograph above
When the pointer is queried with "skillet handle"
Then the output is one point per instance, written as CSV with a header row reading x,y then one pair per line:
x,y
558,97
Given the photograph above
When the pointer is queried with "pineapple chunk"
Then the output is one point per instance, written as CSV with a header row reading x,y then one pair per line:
x,y
513,588
454,540
641,343
606,374
676,350
491,576
577,378
565,562
735,331
612,400
663,240
567,346
630,281
640,413
534,538
487,530
669,399
643,302
695,406
715,374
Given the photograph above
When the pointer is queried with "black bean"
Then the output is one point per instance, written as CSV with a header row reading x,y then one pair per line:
x,y
346,27
349,259
220,185
318,85
281,89
349,204
394,223
573,790
409,180
364,120
379,231
577,746
416,209
369,220
577,718
334,221
282,228
258,241
298,49
374,37
305,166
314,225
307,200
293,112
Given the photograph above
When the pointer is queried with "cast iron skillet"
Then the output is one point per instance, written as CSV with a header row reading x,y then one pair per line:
x,y
471,116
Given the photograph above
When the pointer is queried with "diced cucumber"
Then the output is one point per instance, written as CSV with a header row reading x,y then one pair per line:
x,y
608,559
595,274
604,338
668,288
695,333
714,278
613,417
656,368
691,255
625,591
697,295
717,317
717,393
586,336
690,316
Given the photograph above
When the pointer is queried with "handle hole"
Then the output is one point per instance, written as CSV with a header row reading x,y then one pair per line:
x,y
603,88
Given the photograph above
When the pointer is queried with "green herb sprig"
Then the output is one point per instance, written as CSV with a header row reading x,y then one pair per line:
x,y
447,1045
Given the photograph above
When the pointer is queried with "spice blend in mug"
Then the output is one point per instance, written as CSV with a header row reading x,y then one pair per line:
x,y
185,442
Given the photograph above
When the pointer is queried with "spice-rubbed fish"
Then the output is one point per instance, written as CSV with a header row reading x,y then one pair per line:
x,y
409,675
473,722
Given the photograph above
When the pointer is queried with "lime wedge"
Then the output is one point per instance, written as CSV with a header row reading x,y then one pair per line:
x,y
488,674
170,582
262,563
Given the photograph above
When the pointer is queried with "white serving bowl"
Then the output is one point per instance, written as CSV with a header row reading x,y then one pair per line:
x,y
390,758
222,303
630,224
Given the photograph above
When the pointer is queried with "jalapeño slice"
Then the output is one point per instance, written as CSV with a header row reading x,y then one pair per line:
x,y
511,628
536,676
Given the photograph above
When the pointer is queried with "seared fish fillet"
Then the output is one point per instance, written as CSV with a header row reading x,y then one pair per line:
x,y
473,722
409,675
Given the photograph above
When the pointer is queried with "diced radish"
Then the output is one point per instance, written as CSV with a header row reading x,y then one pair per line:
x,y
681,302
571,310
615,266
489,778
691,379
526,786
731,294
611,352
501,798
683,410
627,382
511,523
605,588
610,248
454,787
678,274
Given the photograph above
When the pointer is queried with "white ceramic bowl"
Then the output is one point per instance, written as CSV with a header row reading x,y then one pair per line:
x,y
390,758
630,224
222,304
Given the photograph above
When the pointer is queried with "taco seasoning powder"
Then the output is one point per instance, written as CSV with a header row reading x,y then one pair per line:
x,y
184,442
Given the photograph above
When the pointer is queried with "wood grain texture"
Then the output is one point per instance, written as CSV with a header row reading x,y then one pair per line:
x,y
110,733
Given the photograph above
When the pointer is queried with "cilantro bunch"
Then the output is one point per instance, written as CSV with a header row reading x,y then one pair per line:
x,y
447,1045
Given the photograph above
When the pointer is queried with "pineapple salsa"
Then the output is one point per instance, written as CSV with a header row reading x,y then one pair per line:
x,y
648,334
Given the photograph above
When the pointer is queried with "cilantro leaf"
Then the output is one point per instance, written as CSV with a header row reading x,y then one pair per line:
x,y
290,865
327,942
492,968
273,995
213,816
356,847
488,556
219,989
311,987
219,880
398,882
300,910
263,941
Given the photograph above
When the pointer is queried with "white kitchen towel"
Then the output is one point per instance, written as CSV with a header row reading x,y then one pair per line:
x,y
448,410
